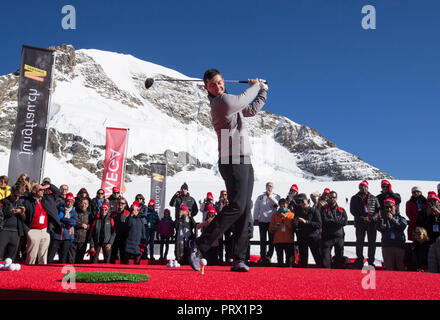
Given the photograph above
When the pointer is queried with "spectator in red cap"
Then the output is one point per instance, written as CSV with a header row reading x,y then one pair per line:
x,y
392,227
212,255
323,200
415,210
114,199
61,241
386,193
120,217
431,221
151,220
265,206
291,198
165,229
209,200
135,236
102,235
365,208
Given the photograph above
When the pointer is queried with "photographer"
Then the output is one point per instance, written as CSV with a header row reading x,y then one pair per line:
x,y
431,221
182,197
392,227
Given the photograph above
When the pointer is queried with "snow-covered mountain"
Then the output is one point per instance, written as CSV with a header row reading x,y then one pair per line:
x,y
169,123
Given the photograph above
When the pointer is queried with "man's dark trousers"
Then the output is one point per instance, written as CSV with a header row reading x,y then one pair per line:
x,y
239,181
370,230
264,231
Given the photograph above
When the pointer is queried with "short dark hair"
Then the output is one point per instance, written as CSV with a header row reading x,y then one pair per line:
x,y
209,74
282,201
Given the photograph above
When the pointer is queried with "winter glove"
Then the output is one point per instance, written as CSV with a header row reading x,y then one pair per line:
x,y
263,84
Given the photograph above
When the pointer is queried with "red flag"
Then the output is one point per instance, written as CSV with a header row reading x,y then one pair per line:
x,y
116,141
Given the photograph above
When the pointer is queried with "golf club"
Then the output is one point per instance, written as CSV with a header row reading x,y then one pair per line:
x,y
149,81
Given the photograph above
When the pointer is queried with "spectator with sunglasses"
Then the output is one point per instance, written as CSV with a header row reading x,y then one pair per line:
x,y
415,210
392,227
386,193
96,203
120,217
114,199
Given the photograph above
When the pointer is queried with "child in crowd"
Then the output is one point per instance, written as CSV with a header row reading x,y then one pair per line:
x,y
165,229
184,232
212,255
136,235
281,227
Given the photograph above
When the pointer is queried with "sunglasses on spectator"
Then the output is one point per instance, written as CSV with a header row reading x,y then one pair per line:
x,y
121,202
389,207
100,192
330,197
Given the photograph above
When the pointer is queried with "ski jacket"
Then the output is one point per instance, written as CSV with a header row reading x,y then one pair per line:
x,y
333,222
177,201
392,231
415,211
5,192
120,219
81,234
227,113
382,196
368,207
313,226
135,234
9,221
165,228
67,224
102,231
282,234
265,206
151,219
48,202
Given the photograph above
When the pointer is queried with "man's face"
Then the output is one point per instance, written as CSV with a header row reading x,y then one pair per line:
x,y
304,203
100,194
64,190
116,194
215,85
38,190
184,192
385,188
416,194
269,187
332,198
390,208
83,205
363,189
121,205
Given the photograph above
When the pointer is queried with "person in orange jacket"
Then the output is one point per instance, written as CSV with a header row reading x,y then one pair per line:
x,y
281,227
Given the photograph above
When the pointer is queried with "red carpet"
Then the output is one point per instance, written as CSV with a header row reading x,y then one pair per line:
x,y
218,283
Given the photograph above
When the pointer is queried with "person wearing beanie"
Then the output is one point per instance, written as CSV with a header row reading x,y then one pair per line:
x,y
307,224
151,220
365,209
135,236
183,197
415,210
438,190
281,228
334,218
209,200
165,229
387,192
102,235
291,198
322,202
62,241
431,221
392,227
120,218
265,206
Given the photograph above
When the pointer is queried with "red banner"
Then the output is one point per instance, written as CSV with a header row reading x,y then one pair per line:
x,y
114,164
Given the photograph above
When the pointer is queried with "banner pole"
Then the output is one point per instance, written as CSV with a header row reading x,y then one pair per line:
x,y
125,160
49,105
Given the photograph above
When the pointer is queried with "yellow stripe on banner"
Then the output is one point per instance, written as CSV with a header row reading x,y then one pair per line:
x,y
35,70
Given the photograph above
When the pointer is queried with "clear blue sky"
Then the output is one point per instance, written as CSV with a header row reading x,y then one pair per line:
x,y
375,93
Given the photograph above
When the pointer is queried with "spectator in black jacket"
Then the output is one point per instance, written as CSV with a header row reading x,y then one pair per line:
x,y
365,209
431,221
82,193
114,199
182,197
135,235
79,245
308,224
41,219
120,217
102,235
12,215
334,218
392,227
386,193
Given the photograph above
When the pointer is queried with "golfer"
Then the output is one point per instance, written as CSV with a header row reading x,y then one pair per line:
x,y
227,112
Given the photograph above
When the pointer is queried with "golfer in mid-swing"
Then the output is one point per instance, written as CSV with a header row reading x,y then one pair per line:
x,y
227,112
